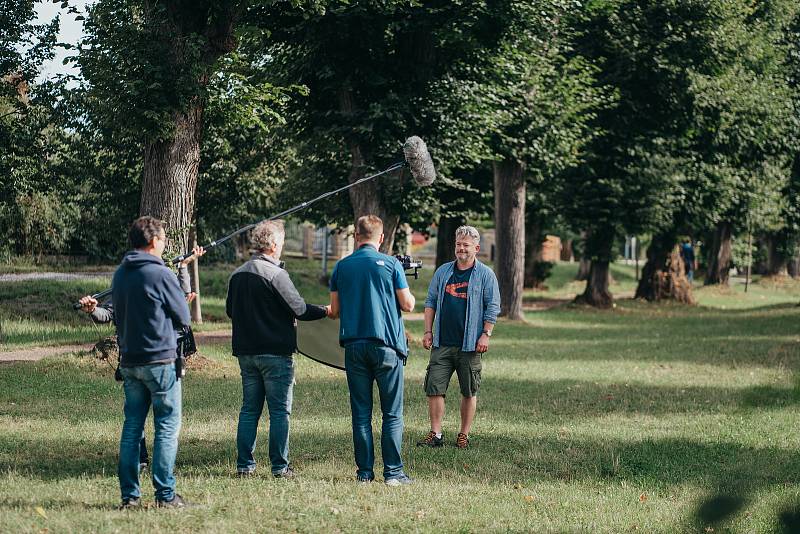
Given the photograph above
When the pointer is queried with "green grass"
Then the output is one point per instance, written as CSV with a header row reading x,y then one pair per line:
x,y
621,420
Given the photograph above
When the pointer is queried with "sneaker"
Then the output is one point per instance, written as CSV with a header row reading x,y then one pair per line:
x,y
287,473
176,502
143,466
130,503
401,480
363,480
431,440
246,473
462,441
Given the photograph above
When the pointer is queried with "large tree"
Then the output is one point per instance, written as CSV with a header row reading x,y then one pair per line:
x,y
371,70
148,66
526,102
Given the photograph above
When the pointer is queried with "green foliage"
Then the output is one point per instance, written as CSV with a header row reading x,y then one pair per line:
x,y
43,223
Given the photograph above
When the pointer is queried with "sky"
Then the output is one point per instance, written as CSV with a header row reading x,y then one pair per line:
x,y
70,31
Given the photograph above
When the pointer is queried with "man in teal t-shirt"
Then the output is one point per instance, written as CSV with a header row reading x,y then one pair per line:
x,y
369,292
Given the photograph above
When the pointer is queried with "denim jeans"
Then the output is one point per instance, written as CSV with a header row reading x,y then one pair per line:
x,y
145,385
267,377
365,363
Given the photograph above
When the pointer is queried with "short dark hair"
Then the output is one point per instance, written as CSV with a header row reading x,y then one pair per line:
x,y
143,230
369,226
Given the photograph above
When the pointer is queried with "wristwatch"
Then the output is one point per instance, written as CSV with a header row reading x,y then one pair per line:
x,y
487,332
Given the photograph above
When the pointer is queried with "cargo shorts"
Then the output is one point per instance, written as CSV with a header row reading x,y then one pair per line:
x,y
444,361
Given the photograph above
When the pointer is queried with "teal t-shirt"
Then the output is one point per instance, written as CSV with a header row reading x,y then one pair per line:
x,y
366,282
454,309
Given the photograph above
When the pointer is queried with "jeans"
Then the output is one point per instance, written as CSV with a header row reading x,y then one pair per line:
x,y
145,385
365,363
270,377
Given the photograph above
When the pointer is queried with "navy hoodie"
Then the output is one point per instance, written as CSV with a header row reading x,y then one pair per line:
x,y
149,306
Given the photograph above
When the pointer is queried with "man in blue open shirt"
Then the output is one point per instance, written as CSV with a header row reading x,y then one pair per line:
x,y
368,292
460,314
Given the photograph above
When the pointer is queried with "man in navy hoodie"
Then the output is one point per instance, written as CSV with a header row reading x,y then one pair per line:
x,y
149,306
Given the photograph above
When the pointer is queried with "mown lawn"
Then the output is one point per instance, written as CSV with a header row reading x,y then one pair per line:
x,y
650,418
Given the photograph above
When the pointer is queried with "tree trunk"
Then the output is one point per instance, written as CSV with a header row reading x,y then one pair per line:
x,y
170,178
366,198
533,248
584,266
509,214
597,293
777,263
566,252
719,256
793,267
664,274
446,238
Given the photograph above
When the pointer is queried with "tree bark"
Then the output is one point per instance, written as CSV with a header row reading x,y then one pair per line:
x,y
777,263
366,198
793,267
170,177
509,213
533,248
446,238
719,256
597,293
584,266
566,251
664,274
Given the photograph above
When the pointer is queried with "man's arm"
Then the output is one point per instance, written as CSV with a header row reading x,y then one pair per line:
x,y
175,301
491,308
406,299
101,314
334,305
302,311
427,338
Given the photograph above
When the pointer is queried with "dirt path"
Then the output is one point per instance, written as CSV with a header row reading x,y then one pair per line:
x,y
32,354
60,277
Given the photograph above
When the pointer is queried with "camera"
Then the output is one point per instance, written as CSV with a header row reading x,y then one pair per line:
x,y
409,263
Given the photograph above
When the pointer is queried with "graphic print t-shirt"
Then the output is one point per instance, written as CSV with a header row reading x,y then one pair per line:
x,y
454,309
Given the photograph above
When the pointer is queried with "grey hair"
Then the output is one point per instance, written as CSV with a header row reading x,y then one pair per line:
x,y
266,234
469,231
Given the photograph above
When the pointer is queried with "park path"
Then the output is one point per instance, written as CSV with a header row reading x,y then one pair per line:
x,y
59,277
32,354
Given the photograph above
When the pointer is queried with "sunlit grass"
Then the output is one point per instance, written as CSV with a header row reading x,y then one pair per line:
x,y
626,419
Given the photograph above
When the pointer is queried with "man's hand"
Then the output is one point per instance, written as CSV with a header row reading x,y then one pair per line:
x,y
328,312
427,340
88,304
196,253
191,296
483,344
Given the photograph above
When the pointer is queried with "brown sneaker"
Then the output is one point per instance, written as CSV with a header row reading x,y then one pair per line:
x,y
431,440
462,441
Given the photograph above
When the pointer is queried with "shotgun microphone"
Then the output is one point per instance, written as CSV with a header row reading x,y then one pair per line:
x,y
419,161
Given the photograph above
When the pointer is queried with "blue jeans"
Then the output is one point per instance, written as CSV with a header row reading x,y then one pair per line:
x,y
365,363
145,385
270,377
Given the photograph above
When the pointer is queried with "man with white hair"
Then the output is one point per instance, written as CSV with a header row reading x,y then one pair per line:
x,y
460,313
263,305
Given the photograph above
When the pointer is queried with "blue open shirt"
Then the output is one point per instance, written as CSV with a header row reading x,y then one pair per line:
x,y
483,301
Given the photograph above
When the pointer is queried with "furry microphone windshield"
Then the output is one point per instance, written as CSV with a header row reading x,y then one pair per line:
x,y
419,161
